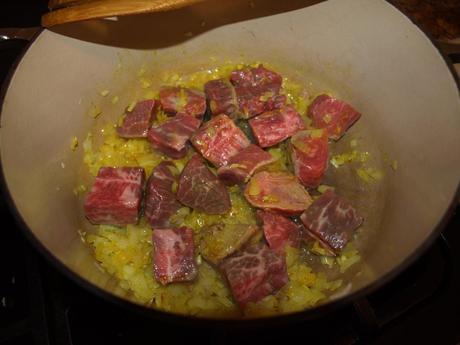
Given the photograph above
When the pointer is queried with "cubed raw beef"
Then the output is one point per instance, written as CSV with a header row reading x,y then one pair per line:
x,y
221,240
115,197
160,198
257,90
219,139
273,127
278,191
309,156
136,123
181,100
174,255
200,189
221,97
332,114
171,137
241,166
279,231
331,219
254,273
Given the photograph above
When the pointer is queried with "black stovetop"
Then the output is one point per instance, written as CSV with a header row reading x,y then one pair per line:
x,y
38,305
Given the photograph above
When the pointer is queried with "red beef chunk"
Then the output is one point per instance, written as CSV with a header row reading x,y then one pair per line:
x,y
174,255
115,197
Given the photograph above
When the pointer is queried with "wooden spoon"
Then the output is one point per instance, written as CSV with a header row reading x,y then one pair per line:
x,y
67,11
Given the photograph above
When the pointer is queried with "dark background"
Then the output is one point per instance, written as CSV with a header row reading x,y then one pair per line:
x,y
21,13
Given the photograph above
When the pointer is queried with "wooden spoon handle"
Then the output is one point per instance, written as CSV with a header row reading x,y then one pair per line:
x,y
54,4
107,8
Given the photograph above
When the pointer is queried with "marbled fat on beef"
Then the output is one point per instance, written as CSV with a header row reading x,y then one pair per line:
x,y
219,139
116,195
273,127
331,219
309,155
200,189
221,240
334,115
254,273
171,137
277,191
174,255
221,97
279,231
182,100
160,198
137,122
257,90
244,164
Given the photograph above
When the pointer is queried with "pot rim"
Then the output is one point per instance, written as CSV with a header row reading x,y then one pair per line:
x,y
304,315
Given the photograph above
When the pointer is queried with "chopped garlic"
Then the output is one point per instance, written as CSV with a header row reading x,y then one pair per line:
x,y
318,249
266,96
120,121
174,187
131,106
173,169
145,84
254,189
348,157
322,188
394,165
104,93
375,174
115,99
162,117
237,166
269,198
171,77
369,174
327,260
362,174
141,72
348,257
74,143
79,189
179,165
95,111
82,235
327,118
316,133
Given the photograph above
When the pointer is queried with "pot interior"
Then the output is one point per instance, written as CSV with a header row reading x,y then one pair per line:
x,y
366,52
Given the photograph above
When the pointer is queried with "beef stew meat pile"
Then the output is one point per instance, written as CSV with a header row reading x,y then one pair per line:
x,y
290,211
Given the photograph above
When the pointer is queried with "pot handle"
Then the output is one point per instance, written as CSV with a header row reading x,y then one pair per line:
x,y
26,34
451,49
